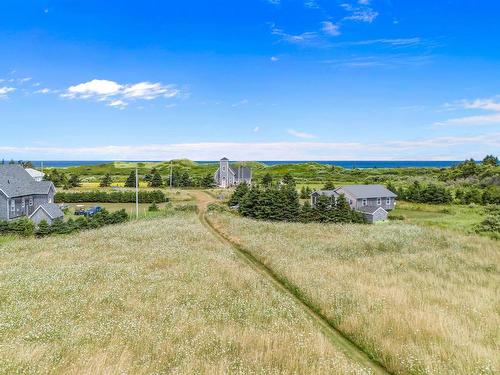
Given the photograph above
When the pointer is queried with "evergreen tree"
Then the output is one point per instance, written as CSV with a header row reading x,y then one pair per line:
x,y
329,186
106,180
43,229
267,180
185,180
239,193
291,203
307,213
74,181
322,209
208,181
249,203
343,212
130,180
490,160
288,180
156,180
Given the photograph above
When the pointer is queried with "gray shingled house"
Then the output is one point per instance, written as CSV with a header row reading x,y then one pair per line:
x,y
374,201
227,176
23,196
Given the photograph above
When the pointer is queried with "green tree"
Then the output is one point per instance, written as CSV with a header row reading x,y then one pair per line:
x,y
156,180
130,180
239,193
490,160
267,180
43,229
106,180
74,181
208,181
288,180
329,186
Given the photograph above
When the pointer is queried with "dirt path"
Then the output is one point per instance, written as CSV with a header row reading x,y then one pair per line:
x,y
336,337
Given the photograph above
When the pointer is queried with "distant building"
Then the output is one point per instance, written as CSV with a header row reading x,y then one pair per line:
x,y
374,201
21,195
227,176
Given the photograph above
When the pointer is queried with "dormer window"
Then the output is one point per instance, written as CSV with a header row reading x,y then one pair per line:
x,y
364,202
388,201
379,201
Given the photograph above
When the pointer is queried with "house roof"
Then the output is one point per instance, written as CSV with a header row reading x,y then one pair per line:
x,y
34,173
51,209
367,191
16,182
370,210
243,173
224,159
328,193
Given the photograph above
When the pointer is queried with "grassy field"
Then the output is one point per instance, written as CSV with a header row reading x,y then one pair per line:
x,y
457,217
150,297
420,300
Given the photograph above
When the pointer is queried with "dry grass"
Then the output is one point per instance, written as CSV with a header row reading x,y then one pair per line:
x,y
421,300
151,297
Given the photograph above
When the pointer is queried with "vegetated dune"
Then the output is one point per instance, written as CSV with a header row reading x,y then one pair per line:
x,y
421,300
150,297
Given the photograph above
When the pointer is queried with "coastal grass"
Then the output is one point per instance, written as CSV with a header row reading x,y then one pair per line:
x,y
420,300
155,296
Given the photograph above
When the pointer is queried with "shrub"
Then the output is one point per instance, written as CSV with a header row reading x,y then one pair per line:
x,y
113,197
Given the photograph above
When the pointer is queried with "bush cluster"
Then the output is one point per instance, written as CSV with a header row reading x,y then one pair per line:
x,y
25,227
491,223
155,196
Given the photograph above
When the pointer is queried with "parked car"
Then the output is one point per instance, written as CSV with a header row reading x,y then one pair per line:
x,y
80,210
93,210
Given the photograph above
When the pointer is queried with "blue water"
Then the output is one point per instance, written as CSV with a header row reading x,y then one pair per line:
x,y
341,163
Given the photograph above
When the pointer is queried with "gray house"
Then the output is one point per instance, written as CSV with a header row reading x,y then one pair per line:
x,y
21,196
227,176
374,201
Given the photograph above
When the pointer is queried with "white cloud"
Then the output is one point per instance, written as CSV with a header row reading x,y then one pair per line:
x,y
274,58
240,103
438,148
489,104
118,104
43,91
396,42
25,79
312,4
118,95
300,134
256,129
364,2
4,91
304,38
365,15
330,28
472,120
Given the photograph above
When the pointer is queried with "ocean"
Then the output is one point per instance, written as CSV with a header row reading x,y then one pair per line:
x,y
341,163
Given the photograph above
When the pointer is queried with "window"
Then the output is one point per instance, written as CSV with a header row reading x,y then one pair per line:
x,y
387,201
31,201
23,203
13,205
379,201
365,202
50,200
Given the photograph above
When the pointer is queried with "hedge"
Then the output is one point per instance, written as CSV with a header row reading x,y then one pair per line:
x,y
155,196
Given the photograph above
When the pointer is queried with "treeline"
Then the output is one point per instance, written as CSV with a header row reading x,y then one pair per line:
x,y
281,203
438,194
176,179
61,179
26,228
155,196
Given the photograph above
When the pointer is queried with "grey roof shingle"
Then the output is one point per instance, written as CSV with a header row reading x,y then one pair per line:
x,y
367,191
16,182
328,193
370,209
51,209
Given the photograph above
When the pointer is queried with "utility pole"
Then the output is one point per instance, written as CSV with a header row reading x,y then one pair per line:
x,y
136,193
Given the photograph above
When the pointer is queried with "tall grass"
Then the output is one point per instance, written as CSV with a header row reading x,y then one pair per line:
x,y
149,297
421,300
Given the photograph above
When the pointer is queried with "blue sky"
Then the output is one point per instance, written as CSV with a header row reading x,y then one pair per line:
x,y
251,80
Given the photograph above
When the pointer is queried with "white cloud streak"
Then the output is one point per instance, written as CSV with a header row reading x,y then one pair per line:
x,y
438,148
489,104
330,28
300,134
